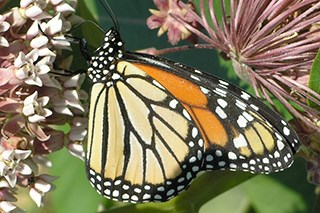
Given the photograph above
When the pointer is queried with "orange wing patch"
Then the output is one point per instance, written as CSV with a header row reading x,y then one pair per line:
x,y
194,101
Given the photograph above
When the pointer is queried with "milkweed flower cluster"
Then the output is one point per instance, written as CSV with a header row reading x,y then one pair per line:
x,y
34,101
272,45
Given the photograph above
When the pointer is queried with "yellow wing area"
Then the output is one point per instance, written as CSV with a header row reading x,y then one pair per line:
x,y
140,137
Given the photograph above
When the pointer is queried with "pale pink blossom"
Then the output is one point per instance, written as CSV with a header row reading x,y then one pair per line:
x,y
28,71
164,19
11,165
33,108
40,186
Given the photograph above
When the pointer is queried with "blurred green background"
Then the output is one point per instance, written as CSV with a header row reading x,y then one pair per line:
x,y
285,192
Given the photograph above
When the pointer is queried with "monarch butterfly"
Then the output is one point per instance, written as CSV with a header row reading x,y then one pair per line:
x,y
154,124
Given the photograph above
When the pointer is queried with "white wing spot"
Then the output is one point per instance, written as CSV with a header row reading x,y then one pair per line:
x,y
224,82
192,159
194,132
247,116
218,153
173,104
117,182
245,95
95,64
220,112
209,158
186,114
170,192
220,92
242,122
115,76
254,107
252,162
245,165
200,142
286,131
160,189
240,141
276,154
232,156
115,193
241,105
280,145
195,77
265,161
222,102
222,163
204,90
156,83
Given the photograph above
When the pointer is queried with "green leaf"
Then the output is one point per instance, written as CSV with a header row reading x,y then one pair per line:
x,y
314,80
73,192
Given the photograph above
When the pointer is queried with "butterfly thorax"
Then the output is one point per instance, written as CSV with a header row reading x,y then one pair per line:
x,y
103,62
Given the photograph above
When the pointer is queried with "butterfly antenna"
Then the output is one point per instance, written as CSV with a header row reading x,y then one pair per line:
x,y
111,14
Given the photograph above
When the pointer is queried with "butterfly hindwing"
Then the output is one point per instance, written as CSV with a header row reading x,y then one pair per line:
x,y
142,143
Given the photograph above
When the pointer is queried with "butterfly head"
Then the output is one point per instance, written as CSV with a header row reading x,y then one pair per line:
x,y
103,62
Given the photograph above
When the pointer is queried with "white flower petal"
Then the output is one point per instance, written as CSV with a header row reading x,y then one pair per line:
x,y
44,51
2,168
7,206
33,11
4,184
76,150
4,26
33,31
21,74
3,42
54,25
43,69
25,3
42,186
63,110
71,95
35,196
11,178
46,112
34,81
31,98
64,7
21,154
77,134
72,82
25,169
28,110
36,118
20,60
39,41
55,2
43,100
33,55
7,154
